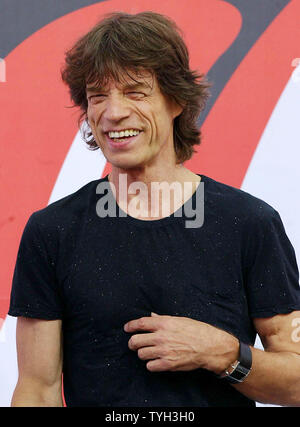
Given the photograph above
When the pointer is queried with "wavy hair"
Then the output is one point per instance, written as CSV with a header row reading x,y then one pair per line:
x,y
146,41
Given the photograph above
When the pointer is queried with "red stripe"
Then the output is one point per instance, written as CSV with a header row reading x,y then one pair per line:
x,y
234,126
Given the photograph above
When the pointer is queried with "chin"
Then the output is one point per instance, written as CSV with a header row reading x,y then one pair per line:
x,y
125,164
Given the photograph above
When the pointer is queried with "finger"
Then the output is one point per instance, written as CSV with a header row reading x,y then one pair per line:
x,y
159,365
141,340
150,324
148,353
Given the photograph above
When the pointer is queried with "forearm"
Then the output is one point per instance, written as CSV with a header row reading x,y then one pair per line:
x,y
27,394
274,378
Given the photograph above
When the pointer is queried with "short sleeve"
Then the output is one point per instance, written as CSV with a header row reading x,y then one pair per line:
x,y
35,291
272,275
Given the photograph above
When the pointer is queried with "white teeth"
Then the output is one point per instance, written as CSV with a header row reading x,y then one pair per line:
x,y
127,132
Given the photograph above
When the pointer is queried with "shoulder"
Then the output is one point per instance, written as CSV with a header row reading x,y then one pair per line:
x,y
231,201
71,208
58,227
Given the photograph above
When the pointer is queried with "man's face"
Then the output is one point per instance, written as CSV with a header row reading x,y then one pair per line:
x,y
132,122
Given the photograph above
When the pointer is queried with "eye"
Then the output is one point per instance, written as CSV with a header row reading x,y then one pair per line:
x,y
93,99
136,94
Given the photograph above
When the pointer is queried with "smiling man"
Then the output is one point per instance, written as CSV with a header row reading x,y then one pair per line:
x,y
133,123
139,310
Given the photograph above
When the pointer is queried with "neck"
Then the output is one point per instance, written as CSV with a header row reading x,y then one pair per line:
x,y
153,194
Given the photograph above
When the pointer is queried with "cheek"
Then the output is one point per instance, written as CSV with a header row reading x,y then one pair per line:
x,y
92,122
92,115
162,122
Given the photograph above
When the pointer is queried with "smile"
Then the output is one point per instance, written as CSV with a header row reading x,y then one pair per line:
x,y
124,133
120,139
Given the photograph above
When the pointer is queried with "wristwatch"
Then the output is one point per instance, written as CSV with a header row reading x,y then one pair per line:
x,y
240,369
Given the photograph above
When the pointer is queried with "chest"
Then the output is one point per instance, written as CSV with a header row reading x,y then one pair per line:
x,y
126,275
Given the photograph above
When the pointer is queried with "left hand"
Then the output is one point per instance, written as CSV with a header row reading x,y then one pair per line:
x,y
181,344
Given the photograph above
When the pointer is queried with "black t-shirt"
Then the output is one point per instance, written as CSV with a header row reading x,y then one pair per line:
x,y
96,274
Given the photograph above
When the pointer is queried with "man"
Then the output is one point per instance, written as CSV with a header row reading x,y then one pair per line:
x,y
138,309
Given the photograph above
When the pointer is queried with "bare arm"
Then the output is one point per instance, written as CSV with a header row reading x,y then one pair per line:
x,y
275,375
182,344
39,349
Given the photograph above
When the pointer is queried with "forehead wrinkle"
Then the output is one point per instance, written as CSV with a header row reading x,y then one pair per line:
x,y
124,80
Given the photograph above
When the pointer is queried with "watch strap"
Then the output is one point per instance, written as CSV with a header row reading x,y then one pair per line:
x,y
240,369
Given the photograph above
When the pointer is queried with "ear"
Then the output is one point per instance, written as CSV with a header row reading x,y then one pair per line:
x,y
176,109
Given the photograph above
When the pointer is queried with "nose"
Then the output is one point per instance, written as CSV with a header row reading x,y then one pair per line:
x,y
116,109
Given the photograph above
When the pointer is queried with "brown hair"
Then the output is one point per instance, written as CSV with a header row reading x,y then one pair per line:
x,y
145,41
